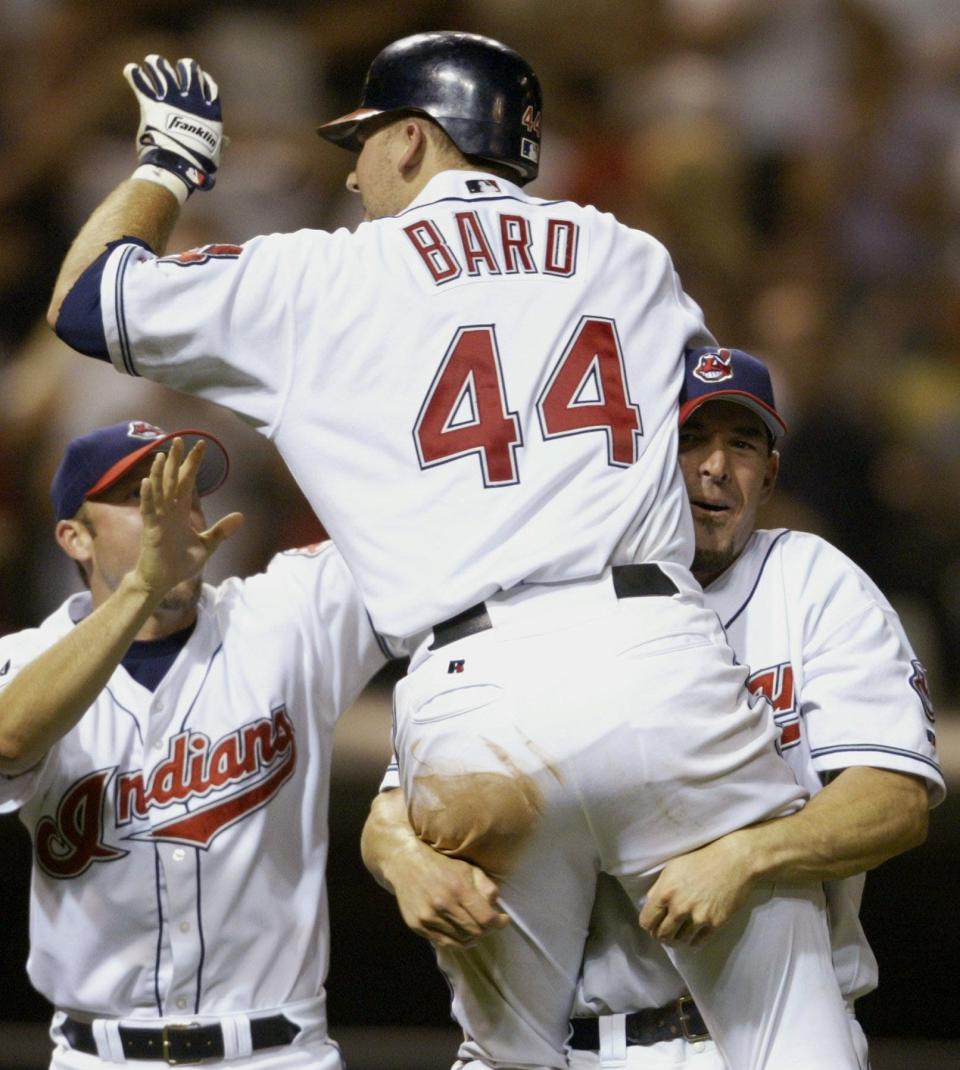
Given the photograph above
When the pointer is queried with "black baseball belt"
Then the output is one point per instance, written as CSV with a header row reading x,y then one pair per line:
x,y
629,581
176,1045
679,1019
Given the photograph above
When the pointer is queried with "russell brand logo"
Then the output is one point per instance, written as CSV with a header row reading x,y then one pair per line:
x,y
255,761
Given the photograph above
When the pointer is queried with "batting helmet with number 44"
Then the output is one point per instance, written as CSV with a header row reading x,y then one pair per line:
x,y
485,96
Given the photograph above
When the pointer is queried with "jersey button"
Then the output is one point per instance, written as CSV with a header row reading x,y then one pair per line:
x,y
179,854
158,745
184,926
181,1003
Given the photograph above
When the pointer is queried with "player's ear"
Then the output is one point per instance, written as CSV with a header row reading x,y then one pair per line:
x,y
414,145
771,473
75,539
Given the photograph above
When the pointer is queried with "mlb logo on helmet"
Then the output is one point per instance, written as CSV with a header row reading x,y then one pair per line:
x,y
714,366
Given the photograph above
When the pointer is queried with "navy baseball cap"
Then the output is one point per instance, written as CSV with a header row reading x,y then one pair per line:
x,y
94,462
733,375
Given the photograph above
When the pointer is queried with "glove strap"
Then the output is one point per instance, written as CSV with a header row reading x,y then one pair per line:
x,y
194,176
150,172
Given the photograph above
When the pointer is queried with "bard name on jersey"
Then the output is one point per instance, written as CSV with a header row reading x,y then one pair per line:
x,y
478,392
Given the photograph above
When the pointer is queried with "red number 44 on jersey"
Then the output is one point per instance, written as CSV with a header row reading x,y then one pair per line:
x,y
466,411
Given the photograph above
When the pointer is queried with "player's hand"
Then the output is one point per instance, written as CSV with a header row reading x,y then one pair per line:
x,y
181,128
172,549
695,894
445,900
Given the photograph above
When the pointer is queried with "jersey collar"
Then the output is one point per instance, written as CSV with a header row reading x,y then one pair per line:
x,y
465,186
730,590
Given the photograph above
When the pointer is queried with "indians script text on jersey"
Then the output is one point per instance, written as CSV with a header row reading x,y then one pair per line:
x,y
180,835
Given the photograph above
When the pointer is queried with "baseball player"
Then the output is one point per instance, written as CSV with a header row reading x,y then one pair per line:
x,y
855,720
167,744
477,392
853,711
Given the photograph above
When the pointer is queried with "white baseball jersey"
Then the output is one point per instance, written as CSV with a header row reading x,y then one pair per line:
x,y
826,648
478,397
180,835
451,387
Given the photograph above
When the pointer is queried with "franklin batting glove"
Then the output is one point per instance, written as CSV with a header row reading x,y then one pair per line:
x,y
181,129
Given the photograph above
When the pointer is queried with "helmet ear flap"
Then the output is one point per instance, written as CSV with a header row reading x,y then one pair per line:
x,y
485,97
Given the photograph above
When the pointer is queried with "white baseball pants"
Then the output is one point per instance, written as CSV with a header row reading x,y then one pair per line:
x,y
579,734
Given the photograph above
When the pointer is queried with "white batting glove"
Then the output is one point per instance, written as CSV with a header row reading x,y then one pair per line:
x,y
181,129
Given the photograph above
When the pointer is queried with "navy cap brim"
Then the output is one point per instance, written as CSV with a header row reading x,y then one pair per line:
x,y
773,420
213,471
344,131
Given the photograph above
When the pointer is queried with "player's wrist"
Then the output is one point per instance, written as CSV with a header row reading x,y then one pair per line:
x,y
142,591
760,850
161,176
395,862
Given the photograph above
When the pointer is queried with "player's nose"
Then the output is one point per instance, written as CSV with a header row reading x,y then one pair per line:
x,y
714,465
352,183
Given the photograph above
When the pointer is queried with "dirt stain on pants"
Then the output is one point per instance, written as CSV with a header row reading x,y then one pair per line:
x,y
482,817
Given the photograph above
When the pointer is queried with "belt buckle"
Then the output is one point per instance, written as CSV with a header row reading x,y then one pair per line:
x,y
165,1040
688,1035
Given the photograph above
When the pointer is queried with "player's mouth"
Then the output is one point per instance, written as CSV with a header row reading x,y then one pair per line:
x,y
709,507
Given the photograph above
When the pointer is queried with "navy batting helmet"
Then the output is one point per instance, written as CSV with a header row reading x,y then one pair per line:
x,y
484,95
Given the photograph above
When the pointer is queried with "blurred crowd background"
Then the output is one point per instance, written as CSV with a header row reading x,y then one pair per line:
x,y
801,161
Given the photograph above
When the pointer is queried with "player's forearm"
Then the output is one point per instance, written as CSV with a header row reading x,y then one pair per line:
x,y
445,900
859,820
386,835
50,695
135,209
393,853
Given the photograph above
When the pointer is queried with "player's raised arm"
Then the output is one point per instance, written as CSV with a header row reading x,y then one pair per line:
x,y
445,900
50,694
179,142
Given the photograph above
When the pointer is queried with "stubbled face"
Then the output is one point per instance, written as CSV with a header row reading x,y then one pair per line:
x,y
374,175
729,471
115,526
